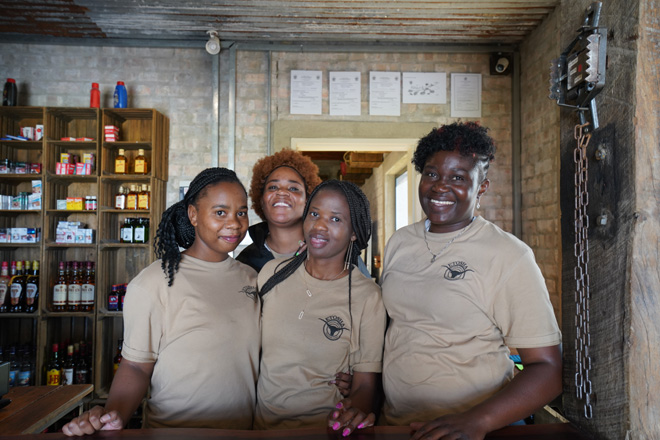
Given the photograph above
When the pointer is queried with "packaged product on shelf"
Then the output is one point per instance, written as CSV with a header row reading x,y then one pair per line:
x,y
5,166
38,132
84,139
74,203
68,139
111,133
4,235
20,168
65,158
28,132
60,204
34,201
35,168
36,187
80,236
89,158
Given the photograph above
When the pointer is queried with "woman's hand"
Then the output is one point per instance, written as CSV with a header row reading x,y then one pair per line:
x,y
452,426
349,418
96,419
343,381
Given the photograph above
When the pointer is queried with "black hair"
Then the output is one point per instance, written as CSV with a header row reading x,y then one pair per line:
x,y
175,230
358,206
469,139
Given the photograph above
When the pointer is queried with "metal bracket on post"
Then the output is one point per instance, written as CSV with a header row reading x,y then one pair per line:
x,y
578,75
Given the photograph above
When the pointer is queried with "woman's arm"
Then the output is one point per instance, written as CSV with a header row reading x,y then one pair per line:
x,y
128,388
537,384
356,411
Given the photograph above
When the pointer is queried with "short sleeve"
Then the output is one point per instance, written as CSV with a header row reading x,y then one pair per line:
x,y
143,321
369,356
522,309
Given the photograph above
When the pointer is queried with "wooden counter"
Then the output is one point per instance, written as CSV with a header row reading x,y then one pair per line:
x,y
557,431
33,409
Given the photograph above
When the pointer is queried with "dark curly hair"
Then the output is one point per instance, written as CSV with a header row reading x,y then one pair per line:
x,y
175,230
469,139
358,205
303,165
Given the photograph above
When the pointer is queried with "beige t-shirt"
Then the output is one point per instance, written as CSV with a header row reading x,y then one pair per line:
x,y
300,356
452,320
203,334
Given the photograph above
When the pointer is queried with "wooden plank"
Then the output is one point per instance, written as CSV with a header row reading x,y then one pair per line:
x,y
33,409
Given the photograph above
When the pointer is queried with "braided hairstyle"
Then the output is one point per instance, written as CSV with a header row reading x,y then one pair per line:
x,y
358,206
175,230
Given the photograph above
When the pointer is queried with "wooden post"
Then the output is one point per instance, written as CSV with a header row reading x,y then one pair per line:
x,y
623,266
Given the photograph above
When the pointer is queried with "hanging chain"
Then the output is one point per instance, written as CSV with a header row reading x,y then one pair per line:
x,y
581,251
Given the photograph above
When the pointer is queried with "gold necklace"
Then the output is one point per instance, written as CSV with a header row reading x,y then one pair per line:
x,y
309,292
435,256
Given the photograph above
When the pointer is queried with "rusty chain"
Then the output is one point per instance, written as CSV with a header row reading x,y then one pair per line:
x,y
581,251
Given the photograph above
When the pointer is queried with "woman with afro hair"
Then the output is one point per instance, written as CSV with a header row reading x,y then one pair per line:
x,y
459,292
278,191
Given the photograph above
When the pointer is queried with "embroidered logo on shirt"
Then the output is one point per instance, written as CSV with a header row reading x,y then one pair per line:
x,y
333,327
456,270
250,292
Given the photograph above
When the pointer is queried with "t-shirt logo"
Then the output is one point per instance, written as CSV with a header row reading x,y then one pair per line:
x,y
250,292
456,270
333,327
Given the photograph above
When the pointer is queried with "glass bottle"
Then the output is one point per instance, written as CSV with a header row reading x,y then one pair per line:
x,y
32,289
120,199
69,367
74,289
139,231
17,286
144,198
126,231
14,367
121,162
60,290
118,357
113,299
25,371
54,369
131,198
4,287
140,163
88,288
82,371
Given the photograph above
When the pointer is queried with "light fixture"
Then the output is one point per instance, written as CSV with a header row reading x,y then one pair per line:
x,y
213,45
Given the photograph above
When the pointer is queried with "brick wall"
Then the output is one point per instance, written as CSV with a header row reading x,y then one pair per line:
x,y
540,155
178,82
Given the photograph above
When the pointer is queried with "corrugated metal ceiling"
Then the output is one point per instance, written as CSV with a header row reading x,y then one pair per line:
x,y
337,21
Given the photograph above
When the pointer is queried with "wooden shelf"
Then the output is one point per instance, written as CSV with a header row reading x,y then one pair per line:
x,y
116,263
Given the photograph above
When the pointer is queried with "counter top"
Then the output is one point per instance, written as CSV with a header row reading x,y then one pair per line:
x,y
558,431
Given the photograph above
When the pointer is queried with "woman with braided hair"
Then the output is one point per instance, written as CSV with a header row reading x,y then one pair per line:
x,y
193,308
320,317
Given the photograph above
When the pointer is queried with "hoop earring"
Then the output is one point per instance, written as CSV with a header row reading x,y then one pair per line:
x,y
349,254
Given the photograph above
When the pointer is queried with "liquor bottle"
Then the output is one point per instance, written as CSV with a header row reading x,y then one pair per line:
x,y
139,231
120,199
143,198
88,288
122,295
25,371
113,299
54,369
126,231
121,162
117,359
140,163
14,366
74,289
60,290
132,198
32,289
17,289
69,367
4,287
82,371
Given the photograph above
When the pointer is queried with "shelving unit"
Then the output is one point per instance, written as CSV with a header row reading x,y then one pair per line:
x,y
116,262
